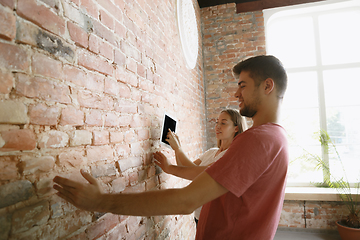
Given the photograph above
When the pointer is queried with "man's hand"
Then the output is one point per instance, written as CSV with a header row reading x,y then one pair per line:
x,y
162,161
84,196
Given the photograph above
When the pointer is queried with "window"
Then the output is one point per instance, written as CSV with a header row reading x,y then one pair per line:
x,y
319,45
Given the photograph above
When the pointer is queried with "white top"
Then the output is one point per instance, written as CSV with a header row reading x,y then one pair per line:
x,y
206,159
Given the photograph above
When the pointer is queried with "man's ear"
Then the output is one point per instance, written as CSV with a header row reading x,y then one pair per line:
x,y
269,85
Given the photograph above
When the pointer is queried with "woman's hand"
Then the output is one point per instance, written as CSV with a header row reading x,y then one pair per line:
x,y
173,140
162,161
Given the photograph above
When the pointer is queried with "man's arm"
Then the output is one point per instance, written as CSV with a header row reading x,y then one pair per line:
x,y
160,202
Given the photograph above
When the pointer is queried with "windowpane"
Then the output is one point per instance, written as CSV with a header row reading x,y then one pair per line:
x,y
340,37
343,118
292,41
316,96
302,91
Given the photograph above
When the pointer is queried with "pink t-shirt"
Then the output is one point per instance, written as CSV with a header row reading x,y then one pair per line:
x,y
254,171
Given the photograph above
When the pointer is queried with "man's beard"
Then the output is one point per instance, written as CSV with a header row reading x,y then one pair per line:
x,y
249,110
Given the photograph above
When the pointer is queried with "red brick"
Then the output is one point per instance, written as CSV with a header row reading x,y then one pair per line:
x,y
112,120
130,51
78,35
53,139
13,112
122,150
93,62
101,137
126,76
106,19
94,43
94,118
22,139
81,137
131,64
101,31
120,30
6,81
8,24
136,149
130,137
143,134
125,164
8,168
116,137
26,32
102,226
141,70
136,189
72,116
107,50
90,8
42,16
13,57
125,106
99,153
117,88
94,82
46,67
25,218
73,158
118,185
87,99
9,3
36,87
74,75
119,57
41,114
31,165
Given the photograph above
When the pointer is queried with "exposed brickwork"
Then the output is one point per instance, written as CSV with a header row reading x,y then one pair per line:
x,y
84,84
228,38
312,214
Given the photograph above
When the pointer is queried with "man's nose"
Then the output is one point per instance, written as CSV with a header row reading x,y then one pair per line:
x,y
237,93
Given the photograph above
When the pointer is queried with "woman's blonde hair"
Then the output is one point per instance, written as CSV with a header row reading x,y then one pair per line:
x,y
237,119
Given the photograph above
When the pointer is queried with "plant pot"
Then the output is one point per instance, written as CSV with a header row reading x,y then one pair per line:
x,y
347,233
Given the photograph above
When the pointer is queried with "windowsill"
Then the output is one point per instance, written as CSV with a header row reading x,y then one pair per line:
x,y
314,194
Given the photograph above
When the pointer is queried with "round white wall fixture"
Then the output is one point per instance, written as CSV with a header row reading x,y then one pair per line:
x,y
188,30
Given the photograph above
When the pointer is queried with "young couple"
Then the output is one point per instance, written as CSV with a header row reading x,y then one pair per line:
x,y
241,193
228,125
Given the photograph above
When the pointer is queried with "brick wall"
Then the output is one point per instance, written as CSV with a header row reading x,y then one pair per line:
x,y
228,37
84,84
312,214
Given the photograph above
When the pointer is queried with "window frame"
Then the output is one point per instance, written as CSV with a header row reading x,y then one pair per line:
x,y
315,11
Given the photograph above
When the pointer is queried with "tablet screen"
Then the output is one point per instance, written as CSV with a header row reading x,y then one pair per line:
x,y
169,123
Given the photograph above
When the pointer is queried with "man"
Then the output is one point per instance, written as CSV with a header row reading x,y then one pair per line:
x,y
243,191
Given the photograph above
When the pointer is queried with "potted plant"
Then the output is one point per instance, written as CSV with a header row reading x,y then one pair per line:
x,y
349,228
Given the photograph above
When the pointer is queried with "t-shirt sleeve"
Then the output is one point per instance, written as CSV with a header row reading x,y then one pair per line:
x,y
243,163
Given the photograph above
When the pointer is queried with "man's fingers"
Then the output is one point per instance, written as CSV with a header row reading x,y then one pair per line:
x,y
88,176
65,182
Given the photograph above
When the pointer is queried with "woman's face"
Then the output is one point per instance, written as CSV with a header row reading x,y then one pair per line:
x,y
224,127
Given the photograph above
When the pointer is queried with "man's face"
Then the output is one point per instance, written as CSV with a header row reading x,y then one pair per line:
x,y
248,95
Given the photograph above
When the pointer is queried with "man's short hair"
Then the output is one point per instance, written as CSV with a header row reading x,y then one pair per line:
x,y
262,67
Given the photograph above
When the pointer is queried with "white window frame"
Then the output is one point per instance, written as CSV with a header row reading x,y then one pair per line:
x,y
316,9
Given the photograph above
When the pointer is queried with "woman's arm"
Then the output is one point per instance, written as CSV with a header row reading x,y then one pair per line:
x,y
181,158
189,173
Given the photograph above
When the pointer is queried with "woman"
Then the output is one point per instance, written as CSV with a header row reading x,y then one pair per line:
x,y
228,125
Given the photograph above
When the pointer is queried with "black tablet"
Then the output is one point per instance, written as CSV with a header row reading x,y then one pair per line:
x,y
169,122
